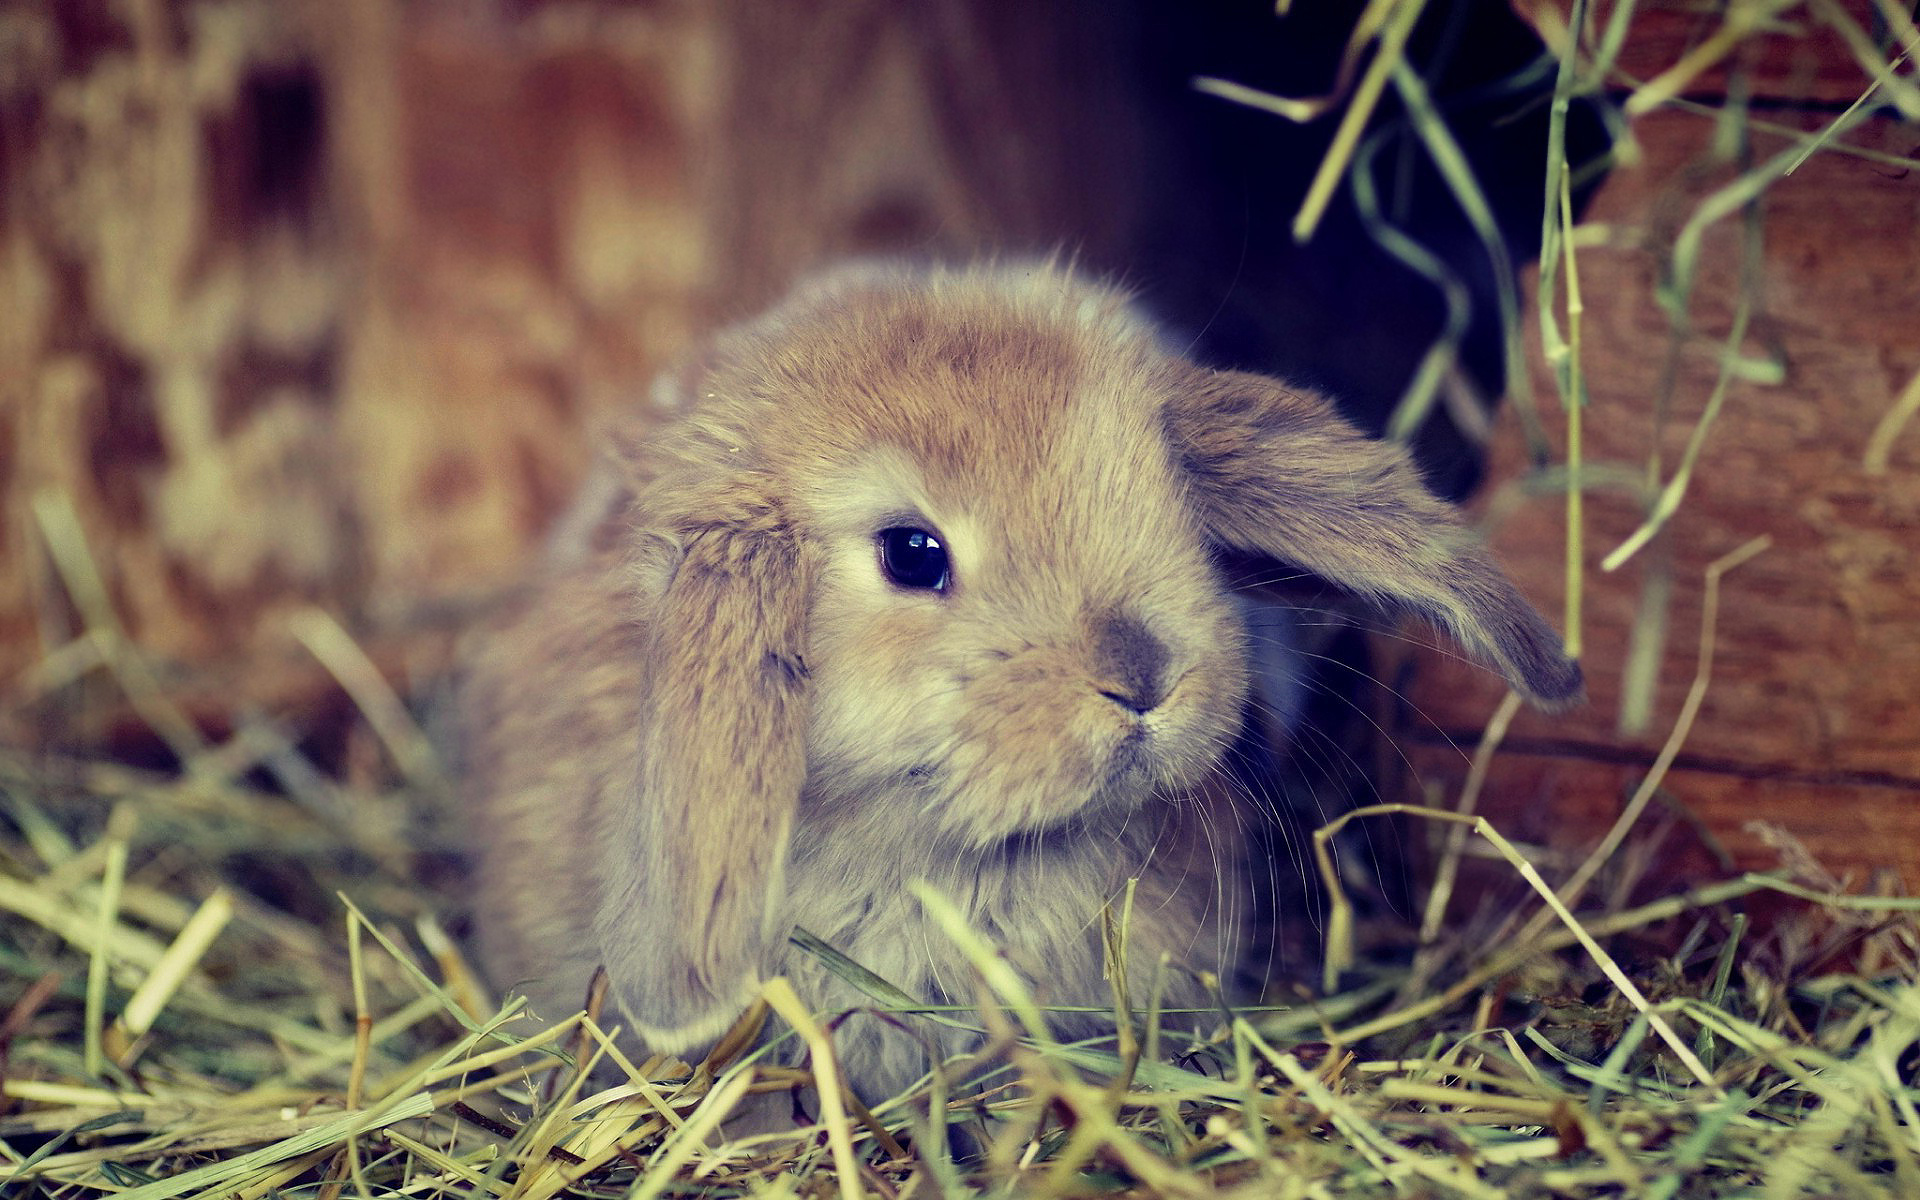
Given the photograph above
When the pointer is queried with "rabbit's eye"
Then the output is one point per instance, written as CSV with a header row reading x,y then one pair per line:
x,y
913,558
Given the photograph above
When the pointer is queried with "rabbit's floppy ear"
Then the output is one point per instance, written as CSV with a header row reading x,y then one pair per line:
x,y
1278,473
697,843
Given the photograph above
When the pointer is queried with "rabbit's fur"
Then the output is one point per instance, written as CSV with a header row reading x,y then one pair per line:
x,y
725,721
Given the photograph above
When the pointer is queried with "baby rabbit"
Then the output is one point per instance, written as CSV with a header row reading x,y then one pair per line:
x,y
920,583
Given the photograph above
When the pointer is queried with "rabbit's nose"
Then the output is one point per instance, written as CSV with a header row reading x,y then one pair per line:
x,y
1130,662
1140,704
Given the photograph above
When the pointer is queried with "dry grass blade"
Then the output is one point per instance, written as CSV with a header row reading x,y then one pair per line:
x,y
1448,868
779,994
384,711
1880,446
1339,958
143,1008
1571,891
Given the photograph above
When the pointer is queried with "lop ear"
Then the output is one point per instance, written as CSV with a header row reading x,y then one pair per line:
x,y
696,846
1278,473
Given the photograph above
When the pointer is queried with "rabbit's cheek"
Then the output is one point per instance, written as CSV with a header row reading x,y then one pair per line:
x,y
879,724
990,795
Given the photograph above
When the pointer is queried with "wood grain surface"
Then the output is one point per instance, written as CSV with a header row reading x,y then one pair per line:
x,y
1812,719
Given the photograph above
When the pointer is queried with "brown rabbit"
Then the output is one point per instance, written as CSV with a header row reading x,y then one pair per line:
x,y
920,584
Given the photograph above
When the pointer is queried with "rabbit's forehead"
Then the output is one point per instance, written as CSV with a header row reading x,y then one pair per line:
x,y
979,413
1026,435
1089,495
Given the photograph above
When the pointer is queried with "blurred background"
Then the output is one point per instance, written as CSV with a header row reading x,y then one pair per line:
x,y
313,306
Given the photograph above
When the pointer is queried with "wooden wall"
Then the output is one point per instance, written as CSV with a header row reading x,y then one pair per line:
x,y
1811,726
309,303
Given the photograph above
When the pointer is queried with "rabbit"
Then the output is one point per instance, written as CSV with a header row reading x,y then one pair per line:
x,y
922,579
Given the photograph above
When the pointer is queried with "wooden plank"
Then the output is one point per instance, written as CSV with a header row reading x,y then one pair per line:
x,y
316,312
1797,57
1816,674
1711,817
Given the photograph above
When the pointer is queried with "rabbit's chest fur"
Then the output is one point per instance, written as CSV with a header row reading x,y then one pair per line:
x,y
1037,901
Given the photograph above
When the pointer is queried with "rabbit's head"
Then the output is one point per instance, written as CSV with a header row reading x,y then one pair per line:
x,y
936,550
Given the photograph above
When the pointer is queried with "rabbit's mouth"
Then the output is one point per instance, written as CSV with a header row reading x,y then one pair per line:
x,y
1133,762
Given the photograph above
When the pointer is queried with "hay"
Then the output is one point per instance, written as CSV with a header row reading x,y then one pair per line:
x,y
230,977
1656,1050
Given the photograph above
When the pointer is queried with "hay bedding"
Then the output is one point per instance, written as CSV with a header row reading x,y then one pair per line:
x,y
216,985
232,976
